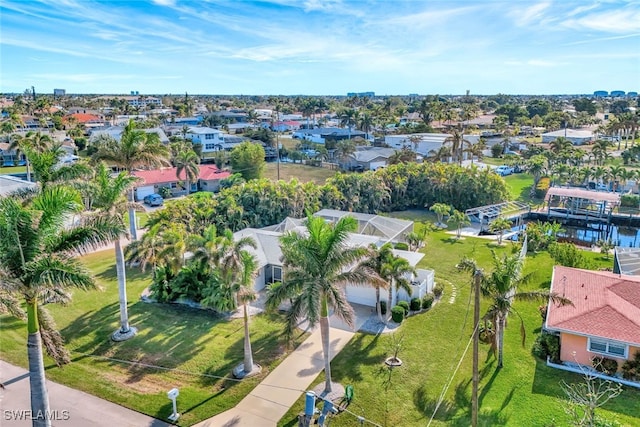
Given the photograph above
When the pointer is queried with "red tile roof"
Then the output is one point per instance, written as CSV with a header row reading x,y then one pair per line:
x,y
168,175
86,118
605,304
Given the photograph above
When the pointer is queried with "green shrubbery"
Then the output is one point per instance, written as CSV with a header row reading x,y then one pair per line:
x,y
404,305
547,345
631,368
383,307
415,304
427,301
397,314
542,187
438,289
630,201
402,246
605,365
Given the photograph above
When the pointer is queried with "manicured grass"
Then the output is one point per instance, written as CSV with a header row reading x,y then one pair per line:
x,y
519,185
524,393
193,341
302,173
142,218
12,169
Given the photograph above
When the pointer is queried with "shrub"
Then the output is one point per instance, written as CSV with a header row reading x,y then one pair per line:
x,y
402,246
542,187
397,314
427,301
165,192
605,365
630,201
404,305
383,307
438,289
497,150
547,345
415,304
631,368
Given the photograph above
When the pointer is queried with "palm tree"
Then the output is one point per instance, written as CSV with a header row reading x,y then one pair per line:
x,y
440,209
246,294
30,144
36,264
188,162
457,141
136,149
110,200
501,288
500,225
316,270
395,271
459,220
560,144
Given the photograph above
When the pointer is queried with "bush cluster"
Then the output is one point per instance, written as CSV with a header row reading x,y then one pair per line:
x,y
427,301
605,365
415,304
438,289
631,368
542,187
547,345
404,305
397,314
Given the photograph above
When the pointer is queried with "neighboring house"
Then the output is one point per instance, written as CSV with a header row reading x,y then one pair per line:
x,y
369,158
231,116
210,139
116,133
10,157
424,144
285,126
373,229
604,319
322,135
89,120
188,121
239,127
10,184
577,137
150,181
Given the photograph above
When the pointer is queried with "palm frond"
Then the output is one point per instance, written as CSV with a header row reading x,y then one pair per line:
x,y
52,341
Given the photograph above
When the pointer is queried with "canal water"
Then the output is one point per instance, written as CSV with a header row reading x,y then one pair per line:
x,y
590,234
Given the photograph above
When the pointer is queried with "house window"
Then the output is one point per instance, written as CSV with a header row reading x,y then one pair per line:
x,y
210,136
277,274
609,348
210,146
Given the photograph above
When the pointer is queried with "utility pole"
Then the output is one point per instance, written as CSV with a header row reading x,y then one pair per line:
x,y
477,278
278,141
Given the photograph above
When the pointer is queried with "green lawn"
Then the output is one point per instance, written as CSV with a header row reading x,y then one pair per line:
x,y
519,185
193,341
524,393
302,173
142,218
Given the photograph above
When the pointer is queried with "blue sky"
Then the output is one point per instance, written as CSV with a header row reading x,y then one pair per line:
x,y
318,47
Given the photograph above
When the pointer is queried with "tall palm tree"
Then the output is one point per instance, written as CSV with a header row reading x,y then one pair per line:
x,y
316,270
110,200
395,271
36,265
501,288
378,260
246,294
560,144
187,161
457,142
30,144
136,149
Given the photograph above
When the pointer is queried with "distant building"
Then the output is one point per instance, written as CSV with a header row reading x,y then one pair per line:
x,y
577,137
59,92
617,93
631,94
601,93
322,135
361,94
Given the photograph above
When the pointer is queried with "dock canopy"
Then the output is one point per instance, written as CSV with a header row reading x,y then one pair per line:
x,y
579,193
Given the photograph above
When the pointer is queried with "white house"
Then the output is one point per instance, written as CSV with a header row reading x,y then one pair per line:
x,y
577,137
211,139
373,229
370,158
422,143
116,133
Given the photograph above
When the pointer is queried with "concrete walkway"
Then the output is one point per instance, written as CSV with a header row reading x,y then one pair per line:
x,y
70,407
273,397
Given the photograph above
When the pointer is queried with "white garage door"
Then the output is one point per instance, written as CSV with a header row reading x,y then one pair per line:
x,y
375,165
363,295
142,192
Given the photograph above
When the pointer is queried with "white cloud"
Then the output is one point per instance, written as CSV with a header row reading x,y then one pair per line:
x,y
613,21
529,15
164,2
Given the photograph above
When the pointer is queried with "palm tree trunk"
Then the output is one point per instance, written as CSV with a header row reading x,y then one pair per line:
x,y
132,217
324,334
378,307
39,395
500,338
28,169
389,300
188,185
248,355
122,287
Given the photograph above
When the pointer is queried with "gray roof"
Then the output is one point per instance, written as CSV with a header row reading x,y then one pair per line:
x,y
116,133
10,184
373,153
628,260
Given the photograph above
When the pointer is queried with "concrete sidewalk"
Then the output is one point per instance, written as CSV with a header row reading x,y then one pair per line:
x,y
69,407
273,397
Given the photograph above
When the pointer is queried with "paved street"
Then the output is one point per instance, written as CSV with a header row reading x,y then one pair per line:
x,y
70,407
